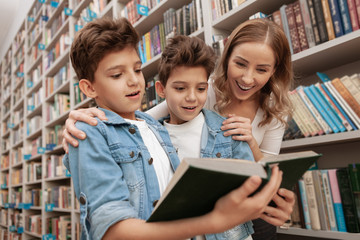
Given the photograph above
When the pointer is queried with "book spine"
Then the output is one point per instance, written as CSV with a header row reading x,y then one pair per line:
x,y
353,14
304,128
347,198
286,26
351,87
314,22
345,16
320,198
305,113
357,4
328,198
292,28
338,111
305,205
300,26
311,199
336,18
307,23
313,110
313,98
352,115
319,13
328,20
339,86
328,109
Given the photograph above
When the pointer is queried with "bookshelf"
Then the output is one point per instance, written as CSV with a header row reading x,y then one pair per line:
x,y
36,75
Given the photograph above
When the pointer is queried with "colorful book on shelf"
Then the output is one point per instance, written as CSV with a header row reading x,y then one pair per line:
x,y
309,32
345,16
353,15
306,115
348,201
319,14
346,94
344,105
300,26
354,177
199,182
338,207
327,107
328,20
351,85
328,200
321,201
304,203
324,125
311,199
285,25
336,108
336,18
314,23
308,91
299,119
290,16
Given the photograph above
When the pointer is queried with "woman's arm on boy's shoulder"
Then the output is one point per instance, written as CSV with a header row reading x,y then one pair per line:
x,y
70,132
233,209
98,181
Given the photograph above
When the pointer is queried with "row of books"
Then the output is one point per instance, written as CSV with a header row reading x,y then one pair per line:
x,y
307,23
59,226
330,106
183,21
329,199
18,134
33,171
54,137
53,83
16,177
34,196
220,7
59,196
150,98
60,106
60,47
79,95
131,11
54,166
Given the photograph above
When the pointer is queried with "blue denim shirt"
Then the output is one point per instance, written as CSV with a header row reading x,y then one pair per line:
x,y
112,176
215,145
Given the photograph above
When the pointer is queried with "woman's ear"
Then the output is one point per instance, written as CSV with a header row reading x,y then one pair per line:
x,y
87,88
160,89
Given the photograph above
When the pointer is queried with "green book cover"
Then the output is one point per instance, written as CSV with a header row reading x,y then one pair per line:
x,y
199,182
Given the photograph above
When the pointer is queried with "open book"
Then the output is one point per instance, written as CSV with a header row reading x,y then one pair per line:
x,y
199,182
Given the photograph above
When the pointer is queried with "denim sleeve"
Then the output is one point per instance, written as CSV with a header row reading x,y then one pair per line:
x,y
242,150
99,181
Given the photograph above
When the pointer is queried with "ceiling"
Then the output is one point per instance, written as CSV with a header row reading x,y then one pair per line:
x,y
8,10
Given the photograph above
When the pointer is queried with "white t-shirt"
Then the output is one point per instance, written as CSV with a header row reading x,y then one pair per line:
x,y
186,137
161,161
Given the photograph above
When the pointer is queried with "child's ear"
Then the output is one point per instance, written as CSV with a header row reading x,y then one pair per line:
x,y
87,88
160,89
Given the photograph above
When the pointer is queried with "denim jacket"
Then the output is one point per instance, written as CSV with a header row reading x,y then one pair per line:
x,y
112,176
215,145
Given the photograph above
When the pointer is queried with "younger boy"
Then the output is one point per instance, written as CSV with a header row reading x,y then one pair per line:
x,y
130,153
185,66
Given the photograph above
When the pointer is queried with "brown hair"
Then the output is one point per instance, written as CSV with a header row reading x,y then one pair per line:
x,y
274,99
185,51
97,39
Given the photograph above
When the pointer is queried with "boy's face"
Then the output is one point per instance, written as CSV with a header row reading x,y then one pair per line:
x,y
119,83
185,93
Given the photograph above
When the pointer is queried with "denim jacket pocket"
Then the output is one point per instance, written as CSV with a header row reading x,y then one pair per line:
x,y
85,226
129,160
222,151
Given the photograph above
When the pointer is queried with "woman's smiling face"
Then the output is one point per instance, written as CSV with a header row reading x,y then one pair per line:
x,y
250,67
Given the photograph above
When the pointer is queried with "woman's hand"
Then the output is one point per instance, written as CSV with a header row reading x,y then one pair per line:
x,y
284,200
241,130
86,115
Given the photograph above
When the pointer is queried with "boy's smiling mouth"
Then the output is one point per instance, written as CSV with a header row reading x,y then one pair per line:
x,y
133,94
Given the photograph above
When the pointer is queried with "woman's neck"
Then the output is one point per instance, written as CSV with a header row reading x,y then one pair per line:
x,y
242,108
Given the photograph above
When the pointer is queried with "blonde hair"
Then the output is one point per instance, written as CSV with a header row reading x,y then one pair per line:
x,y
274,98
